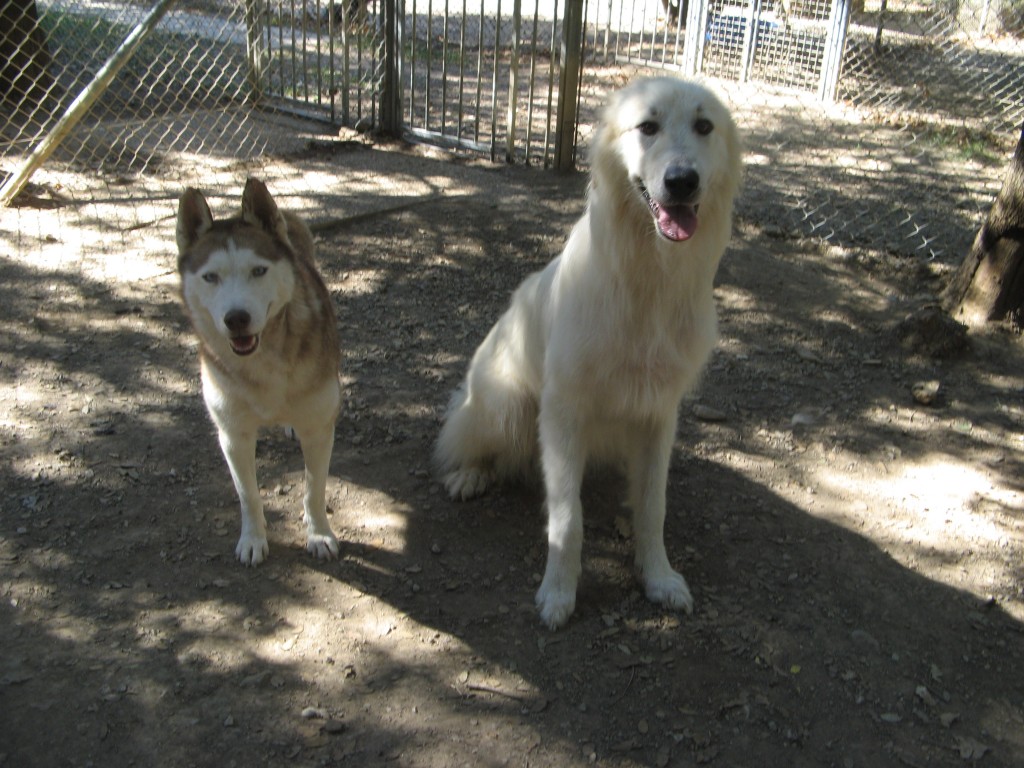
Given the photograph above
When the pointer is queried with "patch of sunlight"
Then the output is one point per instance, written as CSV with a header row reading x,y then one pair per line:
x,y
938,498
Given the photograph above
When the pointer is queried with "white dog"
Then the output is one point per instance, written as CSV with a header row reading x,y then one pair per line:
x,y
596,351
268,348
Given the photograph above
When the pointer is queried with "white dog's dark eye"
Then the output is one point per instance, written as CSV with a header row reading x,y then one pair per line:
x,y
703,126
211,277
259,271
649,127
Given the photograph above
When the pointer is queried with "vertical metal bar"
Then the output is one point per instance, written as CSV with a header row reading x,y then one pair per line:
x,y
331,86
319,57
679,36
360,76
391,91
305,57
494,82
254,49
568,85
291,28
444,69
513,84
479,71
462,69
430,68
835,43
413,44
533,80
549,111
280,46
83,102
749,39
346,72
696,29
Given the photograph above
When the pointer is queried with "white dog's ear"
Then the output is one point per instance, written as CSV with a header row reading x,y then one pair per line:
x,y
260,210
194,218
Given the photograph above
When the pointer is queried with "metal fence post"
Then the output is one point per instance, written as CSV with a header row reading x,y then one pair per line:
x,y
391,86
693,44
569,85
513,83
254,48
835,43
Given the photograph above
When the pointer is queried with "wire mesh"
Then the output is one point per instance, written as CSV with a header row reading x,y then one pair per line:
x,y
928,101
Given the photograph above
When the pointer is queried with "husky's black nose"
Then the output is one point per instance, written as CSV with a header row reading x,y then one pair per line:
x,y
237,320
681,182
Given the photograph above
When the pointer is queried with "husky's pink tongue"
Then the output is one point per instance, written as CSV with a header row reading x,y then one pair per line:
x,y
677,222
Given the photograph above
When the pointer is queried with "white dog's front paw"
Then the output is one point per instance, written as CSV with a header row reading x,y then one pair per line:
x,y
669,589
556,605
252,549
464,484
324,546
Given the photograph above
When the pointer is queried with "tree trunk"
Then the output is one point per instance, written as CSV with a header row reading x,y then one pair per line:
x,y
25,78
989,285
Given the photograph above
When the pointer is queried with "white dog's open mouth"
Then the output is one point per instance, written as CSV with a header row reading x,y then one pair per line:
x,y
244,345
674,222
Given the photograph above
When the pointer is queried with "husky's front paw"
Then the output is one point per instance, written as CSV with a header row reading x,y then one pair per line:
x,y
555,605
323,546
669,589
464,484
252,549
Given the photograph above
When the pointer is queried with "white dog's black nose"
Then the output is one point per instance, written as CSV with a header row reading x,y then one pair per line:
x,y
681,182
237,320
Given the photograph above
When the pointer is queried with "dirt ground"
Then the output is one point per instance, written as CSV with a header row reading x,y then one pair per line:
x,y
857,557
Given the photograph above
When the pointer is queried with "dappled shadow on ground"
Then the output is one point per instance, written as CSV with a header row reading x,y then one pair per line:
x,y
826,629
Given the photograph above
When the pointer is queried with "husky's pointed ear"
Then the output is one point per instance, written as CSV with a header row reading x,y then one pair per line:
x,y
194,218
260,210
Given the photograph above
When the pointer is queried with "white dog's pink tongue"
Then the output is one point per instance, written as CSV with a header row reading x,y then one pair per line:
x,y
677,222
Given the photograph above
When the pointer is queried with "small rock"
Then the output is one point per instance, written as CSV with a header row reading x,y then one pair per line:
x,y
925,695
925,392
313,713
803,419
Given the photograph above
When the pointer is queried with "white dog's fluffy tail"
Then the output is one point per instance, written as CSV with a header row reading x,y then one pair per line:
x,y
489,433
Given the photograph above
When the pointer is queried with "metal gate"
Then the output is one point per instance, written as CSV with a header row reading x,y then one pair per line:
x,y
483,75
789,43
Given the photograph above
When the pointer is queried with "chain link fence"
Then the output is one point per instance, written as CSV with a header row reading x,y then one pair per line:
x,y
878,123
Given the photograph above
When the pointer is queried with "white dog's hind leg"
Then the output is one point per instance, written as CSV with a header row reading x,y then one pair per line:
x,y
648,476
240,451
563,459
316,451
460,448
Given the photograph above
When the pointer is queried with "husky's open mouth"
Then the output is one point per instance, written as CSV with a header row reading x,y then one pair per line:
x,y
674,222
244,345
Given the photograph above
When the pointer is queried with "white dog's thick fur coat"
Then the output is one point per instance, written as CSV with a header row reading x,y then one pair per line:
x,y
268,350
596,351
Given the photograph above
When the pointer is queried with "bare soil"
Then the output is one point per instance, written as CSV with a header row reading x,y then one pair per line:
x,y
856,556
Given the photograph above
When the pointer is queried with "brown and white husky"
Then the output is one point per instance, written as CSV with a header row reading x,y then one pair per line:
x,y
268,347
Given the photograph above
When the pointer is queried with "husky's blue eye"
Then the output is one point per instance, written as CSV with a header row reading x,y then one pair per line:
x,y
648,127
259,271
703,126
211,277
